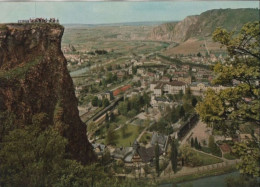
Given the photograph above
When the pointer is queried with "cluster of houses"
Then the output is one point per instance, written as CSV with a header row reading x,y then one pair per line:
x,y
136,154
207,60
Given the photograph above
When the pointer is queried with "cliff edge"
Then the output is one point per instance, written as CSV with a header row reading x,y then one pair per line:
x,y
34,79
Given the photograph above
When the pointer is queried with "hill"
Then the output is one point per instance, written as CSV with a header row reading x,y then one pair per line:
x,y
203,25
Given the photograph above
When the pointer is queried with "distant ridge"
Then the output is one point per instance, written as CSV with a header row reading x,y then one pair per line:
x,y
118,24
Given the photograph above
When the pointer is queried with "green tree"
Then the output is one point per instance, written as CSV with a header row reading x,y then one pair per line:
x,y
157,155
109,77
94,101
240,102
134,70
135,103
35,156
174,155
114,78
194,101
131,113
188,91
186,153
100,103
196,143
199,146
198,54
124,130
111,138
146,99
123,108
192,142
211,143
215,150
106,157
112,117
105,102
180,94
107,117
182,112
189,156
174,115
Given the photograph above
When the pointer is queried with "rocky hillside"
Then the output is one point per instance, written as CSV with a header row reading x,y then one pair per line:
x,y
204,24
34,79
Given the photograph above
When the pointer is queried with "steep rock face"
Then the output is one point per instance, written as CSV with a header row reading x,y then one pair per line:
x,y
34,79
182,29
203,25
163,32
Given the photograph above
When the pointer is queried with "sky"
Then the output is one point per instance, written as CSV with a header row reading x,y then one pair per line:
x,y
113,12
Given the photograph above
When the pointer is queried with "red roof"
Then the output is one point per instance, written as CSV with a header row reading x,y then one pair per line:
x,y
122,89
225,148
176,83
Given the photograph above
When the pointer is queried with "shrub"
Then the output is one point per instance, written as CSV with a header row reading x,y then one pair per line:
x,y
195,160
215,150
229,156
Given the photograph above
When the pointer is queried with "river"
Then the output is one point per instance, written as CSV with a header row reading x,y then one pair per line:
x,y
79,72
82,70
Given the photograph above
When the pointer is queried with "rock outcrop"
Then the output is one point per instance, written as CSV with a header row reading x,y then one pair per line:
x,y
34,79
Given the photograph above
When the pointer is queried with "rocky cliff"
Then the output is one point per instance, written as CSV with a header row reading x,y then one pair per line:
x,y
203,25
34,79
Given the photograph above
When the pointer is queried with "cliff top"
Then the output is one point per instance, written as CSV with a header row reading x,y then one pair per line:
x,y
30,25
21,42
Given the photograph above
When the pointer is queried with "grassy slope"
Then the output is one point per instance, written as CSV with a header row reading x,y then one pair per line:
x,y
208,160
20,71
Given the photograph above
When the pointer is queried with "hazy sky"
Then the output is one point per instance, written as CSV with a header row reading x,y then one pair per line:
x,y
112,12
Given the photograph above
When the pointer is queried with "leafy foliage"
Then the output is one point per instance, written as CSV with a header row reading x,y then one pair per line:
x,y
36,156
249,164
162,126
133,105
33,157
240,102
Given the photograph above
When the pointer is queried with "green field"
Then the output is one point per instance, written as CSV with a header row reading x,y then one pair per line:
x,y
146,138
132,132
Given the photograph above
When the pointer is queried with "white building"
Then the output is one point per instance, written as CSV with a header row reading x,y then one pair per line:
x,y
174,87
141,71
158,89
